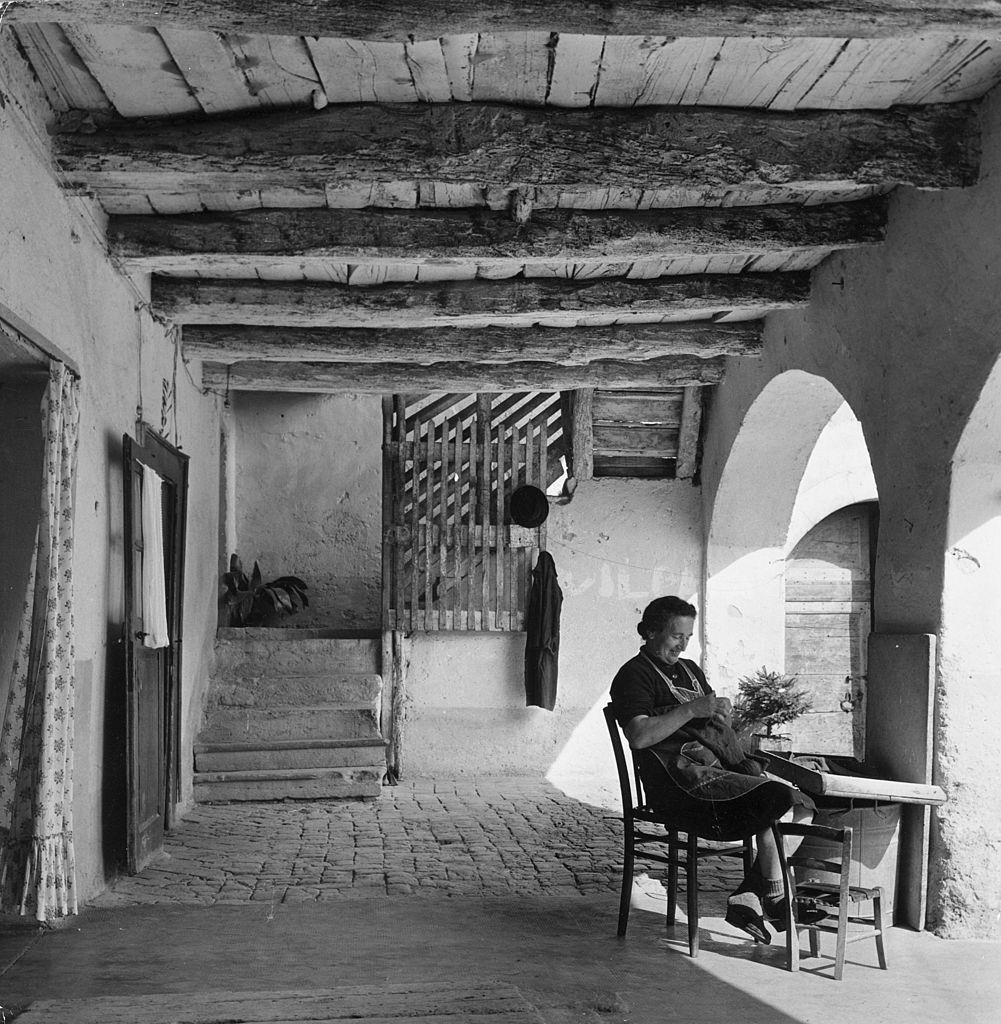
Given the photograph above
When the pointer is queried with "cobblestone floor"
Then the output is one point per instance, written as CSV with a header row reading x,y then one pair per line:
x,y
485,837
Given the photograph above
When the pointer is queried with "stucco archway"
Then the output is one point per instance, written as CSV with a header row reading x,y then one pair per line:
x,y
966,852
799,455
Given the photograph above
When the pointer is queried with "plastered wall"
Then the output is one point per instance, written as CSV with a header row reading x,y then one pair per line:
x,y
908,333
55,276
616,545
308,500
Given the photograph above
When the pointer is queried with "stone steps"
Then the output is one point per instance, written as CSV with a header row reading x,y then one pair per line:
x,y
279,755
290,783
291,714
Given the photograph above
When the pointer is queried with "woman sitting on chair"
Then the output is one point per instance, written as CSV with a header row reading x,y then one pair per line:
x,y
693,766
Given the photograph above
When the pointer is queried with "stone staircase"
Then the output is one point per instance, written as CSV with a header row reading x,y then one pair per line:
x,y
291,713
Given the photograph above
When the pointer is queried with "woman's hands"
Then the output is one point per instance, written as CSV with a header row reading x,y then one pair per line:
x,y
719,709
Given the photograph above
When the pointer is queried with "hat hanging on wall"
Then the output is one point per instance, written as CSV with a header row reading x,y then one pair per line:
x,y
529,506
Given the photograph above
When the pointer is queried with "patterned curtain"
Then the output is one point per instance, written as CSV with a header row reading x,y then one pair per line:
x,y
37,874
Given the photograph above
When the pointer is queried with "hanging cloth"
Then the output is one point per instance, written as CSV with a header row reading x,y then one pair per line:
x,y
542,624
154,626
37,870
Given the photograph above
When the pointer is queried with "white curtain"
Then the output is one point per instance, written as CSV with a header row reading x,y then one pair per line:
x,y
37,871
154,585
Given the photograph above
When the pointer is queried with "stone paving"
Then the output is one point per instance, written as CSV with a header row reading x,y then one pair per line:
x,y
482,837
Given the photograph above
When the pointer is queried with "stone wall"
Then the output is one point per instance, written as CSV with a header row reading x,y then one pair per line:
x,y
308,500
616,545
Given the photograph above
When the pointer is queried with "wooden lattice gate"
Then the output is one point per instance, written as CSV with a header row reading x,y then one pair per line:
x,y
451,558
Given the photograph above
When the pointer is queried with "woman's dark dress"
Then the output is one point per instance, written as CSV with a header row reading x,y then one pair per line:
x,y
699,776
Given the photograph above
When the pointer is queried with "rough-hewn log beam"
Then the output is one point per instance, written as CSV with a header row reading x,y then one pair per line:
x,y
462,154
460,377
564,346
393,19
688,434
319,304
477,234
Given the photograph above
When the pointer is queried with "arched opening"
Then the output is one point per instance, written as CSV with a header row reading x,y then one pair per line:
x,y
800,455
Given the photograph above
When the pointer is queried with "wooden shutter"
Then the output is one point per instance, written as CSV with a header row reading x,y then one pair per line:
x,y
452,560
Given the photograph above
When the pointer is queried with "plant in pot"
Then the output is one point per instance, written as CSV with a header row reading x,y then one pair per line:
x,y
766,700
250,601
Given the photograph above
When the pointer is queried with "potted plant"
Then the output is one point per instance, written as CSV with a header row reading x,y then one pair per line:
x,y
765,700
250,601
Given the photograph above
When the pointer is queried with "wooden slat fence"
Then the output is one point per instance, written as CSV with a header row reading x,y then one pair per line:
x,y
452,560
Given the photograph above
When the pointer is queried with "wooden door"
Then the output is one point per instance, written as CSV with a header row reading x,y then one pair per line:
x,y
153,697
828,616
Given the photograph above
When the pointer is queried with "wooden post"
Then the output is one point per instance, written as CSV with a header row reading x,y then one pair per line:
x,y
580,425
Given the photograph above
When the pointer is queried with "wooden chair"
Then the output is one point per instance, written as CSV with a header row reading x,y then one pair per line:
x,y
837,900
642,826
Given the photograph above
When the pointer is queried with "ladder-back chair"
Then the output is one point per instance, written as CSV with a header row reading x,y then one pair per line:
x,y
644,827
836,899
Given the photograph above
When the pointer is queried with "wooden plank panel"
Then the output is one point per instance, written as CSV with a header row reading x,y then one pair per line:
x,y
210,69
483,417
428,515
134,68
632,466
278,68
512,67
638,407
426,63
359,71
443,496
459,51
389,499
659,440
501,617
67,82
543,470
402,621
472,487
396,20
574,75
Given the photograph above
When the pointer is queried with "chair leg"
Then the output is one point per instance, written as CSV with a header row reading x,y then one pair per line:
x,y
839,953
789,891
748,856
692,883
672,878
814,943
628,857
877,916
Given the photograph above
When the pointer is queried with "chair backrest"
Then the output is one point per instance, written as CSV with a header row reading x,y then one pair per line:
x,y
626,780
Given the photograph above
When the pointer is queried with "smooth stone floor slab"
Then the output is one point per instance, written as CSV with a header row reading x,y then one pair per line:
x,y
560,952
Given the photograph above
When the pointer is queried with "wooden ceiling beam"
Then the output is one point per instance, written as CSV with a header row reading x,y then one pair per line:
x,y
322,304
396,20
482,154
464,377
575,346
149,241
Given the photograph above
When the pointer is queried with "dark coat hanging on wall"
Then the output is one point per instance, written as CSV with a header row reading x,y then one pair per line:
x,y
542,623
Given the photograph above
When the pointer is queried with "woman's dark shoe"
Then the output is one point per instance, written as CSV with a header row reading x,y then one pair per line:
x,y
743,911
774,909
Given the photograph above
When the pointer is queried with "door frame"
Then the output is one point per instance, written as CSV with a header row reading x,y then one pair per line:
x,y
171,464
